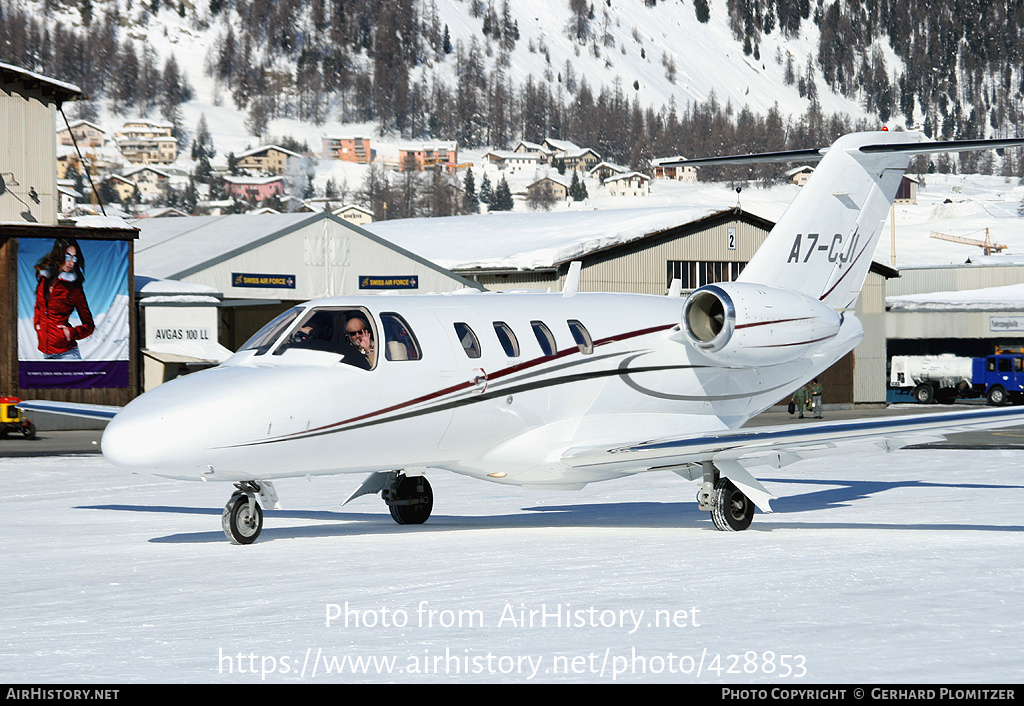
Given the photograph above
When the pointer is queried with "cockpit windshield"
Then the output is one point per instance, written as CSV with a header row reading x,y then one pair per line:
x,y
263,339
344,331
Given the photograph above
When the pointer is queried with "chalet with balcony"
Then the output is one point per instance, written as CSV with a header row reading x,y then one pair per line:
x,y
677,172
628,184
86,134
254,189
269,159
420,157
348,149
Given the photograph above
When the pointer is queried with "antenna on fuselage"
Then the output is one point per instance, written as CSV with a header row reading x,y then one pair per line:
x,y
572,279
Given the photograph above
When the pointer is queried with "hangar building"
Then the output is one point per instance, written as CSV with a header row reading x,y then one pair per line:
x,y
262,264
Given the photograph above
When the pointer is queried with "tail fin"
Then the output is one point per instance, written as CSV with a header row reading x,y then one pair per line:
x,y
823,244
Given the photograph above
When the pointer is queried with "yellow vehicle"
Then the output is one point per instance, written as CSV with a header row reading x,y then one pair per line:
x,y
12,420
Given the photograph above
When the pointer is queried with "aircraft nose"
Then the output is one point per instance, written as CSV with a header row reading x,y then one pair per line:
x,y
163,438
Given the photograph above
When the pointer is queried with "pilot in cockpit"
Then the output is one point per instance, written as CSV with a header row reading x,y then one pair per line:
x,y
315,334
362,338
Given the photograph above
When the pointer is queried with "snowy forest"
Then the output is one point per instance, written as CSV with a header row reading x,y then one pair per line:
x,y
961,72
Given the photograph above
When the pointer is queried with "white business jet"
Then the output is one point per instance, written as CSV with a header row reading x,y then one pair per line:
x,y
550,390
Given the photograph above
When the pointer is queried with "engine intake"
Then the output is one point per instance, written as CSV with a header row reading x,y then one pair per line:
x,y
742,323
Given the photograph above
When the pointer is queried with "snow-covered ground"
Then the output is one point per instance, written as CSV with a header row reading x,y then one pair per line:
x,y
901,568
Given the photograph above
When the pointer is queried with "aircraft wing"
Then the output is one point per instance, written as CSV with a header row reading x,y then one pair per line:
x,y
731,451
73,409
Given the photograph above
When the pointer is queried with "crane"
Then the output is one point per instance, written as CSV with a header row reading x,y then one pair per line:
x,y
987,244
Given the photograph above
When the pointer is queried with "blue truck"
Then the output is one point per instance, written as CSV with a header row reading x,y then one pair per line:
x,y
998,378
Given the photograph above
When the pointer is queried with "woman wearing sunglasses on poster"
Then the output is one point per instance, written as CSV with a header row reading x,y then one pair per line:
x,y
61,275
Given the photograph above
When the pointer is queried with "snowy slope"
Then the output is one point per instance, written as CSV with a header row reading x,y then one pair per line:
x,y
902,569
708,59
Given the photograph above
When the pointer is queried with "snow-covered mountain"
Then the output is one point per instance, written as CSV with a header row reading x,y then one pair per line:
x,y
653,55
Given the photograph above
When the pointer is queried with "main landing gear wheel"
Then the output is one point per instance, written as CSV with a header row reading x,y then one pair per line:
x,y
410,500
731,510
242,519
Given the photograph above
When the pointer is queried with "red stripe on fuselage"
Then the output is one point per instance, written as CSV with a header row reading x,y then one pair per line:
x,y
469,384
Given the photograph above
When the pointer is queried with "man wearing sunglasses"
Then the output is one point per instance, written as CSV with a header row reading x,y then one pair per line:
x,y
361,337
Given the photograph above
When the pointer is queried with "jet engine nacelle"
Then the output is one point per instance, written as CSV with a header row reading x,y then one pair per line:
x,y
740,323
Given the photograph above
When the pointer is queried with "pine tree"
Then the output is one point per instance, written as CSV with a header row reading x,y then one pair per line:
x,y
485,189
470,202
578,189
502,200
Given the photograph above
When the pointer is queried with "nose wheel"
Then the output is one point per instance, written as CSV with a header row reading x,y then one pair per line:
x,y
242,518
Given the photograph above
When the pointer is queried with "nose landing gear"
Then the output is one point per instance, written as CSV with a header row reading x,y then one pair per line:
x,y
242,518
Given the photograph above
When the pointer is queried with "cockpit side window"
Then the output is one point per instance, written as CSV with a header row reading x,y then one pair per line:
x,y
507,338
470,343
265,338
328,329
544,337
399,341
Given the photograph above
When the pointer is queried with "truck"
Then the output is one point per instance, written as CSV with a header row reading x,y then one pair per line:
x,y
946,378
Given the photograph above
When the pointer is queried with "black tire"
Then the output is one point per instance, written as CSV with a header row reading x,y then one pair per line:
x,y
924,394
414,499
997,395
29,430
731,510
239,525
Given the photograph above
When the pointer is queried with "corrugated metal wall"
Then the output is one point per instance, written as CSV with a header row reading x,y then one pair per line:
x,y
28,146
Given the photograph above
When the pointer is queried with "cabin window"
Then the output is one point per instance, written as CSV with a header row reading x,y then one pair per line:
x,y
399,341
1004,365
468,339
508,339
581,336
268,335
332,330
544,337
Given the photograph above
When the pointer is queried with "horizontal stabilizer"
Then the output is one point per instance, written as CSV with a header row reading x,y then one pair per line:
x,y
71,409
813,155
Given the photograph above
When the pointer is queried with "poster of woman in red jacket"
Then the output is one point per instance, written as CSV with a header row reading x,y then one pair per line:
x,y
59,294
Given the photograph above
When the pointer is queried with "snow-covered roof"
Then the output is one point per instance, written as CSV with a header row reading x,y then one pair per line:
x,y
252,179
168,247
562,145
265,148
628,176
62,91
1007,298
156,287
527,241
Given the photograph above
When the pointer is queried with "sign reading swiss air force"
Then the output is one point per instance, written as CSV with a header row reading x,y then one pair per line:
x,y
389,282
251,279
